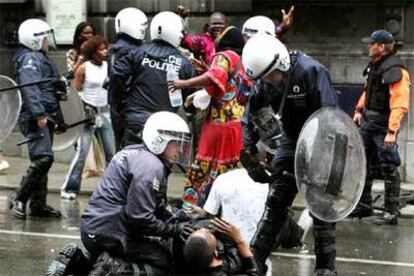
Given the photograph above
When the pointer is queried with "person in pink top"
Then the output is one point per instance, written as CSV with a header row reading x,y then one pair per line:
x,y
203,46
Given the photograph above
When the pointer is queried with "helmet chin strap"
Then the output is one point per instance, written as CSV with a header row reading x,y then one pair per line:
x,y
288,78
268,68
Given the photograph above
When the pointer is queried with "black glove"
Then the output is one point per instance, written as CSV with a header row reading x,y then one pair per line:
x,y
183,231
255,170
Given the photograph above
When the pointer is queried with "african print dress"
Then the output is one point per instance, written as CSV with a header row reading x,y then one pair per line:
x,y
220,139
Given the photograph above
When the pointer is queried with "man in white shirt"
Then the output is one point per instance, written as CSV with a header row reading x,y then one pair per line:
x,y
242,203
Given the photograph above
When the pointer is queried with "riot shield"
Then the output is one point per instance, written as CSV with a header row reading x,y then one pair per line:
x,y
10,105
330,164
73,112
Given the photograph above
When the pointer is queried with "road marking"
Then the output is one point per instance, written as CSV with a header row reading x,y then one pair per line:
x,y
276,254
341,259
35,234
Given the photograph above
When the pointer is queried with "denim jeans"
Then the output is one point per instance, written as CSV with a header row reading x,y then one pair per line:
x,y
105,135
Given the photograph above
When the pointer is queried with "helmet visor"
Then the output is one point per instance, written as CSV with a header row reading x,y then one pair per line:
x,y
184,141
50,36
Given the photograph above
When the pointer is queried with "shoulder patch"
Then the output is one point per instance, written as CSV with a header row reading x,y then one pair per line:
x,y
156,184
30,65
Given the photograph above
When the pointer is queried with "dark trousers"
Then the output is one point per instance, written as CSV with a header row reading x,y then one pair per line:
x,y
34,183
282,191
152,253
118,125
384,161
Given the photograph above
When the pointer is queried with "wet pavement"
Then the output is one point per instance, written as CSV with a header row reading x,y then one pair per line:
x,y
27,247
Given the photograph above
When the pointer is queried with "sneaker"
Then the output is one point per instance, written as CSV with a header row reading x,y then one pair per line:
x,y
4,165
386,219
305,222
67,195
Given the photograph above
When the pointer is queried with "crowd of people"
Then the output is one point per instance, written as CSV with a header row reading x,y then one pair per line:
x,y
234,79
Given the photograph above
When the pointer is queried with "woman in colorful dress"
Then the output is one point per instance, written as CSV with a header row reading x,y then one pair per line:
x,y
226,90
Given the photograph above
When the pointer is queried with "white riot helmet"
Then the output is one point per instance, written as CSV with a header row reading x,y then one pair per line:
x,y
263,54
131,21
163,127
167,26
33,31
258,25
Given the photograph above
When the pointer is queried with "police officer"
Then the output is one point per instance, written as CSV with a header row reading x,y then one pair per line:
x,y
379,112
39,111
147,67
306,87
126,212
130,26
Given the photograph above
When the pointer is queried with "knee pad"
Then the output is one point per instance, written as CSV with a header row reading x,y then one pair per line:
x,y
280,196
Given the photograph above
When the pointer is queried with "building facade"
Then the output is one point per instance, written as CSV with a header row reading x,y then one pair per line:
x,y
328,30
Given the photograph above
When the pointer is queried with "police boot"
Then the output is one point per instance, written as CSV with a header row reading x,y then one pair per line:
x,y
291,233
325,272
267,236
325,248
391,194
69,261
38,206
18,200
364,206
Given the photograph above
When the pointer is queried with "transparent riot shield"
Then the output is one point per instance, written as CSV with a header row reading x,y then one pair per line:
x,y
10,105
330,164
73,112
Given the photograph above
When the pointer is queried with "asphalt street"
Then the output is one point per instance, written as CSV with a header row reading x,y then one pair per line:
x,y
28,247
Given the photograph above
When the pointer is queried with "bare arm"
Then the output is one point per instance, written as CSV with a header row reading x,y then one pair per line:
x,y
233,233
200,81
79,78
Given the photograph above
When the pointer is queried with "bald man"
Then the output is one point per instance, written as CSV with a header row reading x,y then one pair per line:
x,y
205,255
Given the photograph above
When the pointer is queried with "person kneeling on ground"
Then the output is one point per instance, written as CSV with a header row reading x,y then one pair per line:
x,y
126,222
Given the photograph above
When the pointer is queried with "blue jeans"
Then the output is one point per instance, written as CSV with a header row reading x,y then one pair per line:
x,y
105,136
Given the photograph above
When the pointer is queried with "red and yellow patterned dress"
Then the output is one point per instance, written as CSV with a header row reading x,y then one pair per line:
x,y
220,139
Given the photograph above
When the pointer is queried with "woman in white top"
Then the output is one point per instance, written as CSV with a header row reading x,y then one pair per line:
x,y
89,78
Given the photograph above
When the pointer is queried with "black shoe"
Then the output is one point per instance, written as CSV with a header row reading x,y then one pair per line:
x,y
386,219
12,199
361,212
19,209
45,211
325,272
69,261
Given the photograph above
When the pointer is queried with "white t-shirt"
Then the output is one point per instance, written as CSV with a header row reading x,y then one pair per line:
x,y
242,201
93,93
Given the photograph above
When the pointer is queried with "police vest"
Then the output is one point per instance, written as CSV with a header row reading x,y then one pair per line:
x,y
380,76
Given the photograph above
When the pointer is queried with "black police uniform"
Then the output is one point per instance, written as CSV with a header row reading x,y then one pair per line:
x,y
148,90
120,48
39,101
309,89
